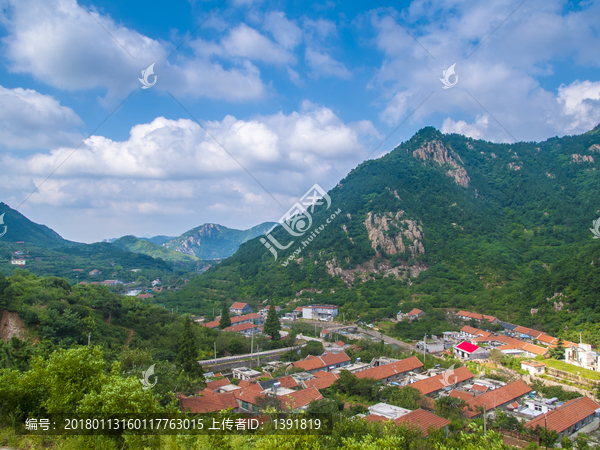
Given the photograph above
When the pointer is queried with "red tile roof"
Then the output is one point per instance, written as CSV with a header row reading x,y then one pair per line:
x,y
547,339
466,396
245,317
566,415
238,305
467,347
438,382
479,388
211,403
322,362
334,358
323,380
300,398
472,315
414,312
248,395
289,382
390,370
214,385
534,333
376,418
474,331
241,327
497,397
521,330
340,343
252,385
535,349
422,420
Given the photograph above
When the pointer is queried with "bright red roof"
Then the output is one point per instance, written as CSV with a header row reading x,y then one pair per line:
x,y
239,305
211,403
422,420
467,347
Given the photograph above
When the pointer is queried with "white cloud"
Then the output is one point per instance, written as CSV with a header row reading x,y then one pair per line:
x,y
62,46
476,130
323,65
248,43
168,165
504,76
286,32
30,120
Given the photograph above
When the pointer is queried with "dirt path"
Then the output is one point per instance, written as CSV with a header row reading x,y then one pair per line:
x,y
129,337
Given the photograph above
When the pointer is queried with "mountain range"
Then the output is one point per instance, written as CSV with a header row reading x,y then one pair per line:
x,y
444,219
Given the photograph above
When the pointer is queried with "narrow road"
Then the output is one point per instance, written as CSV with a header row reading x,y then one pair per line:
x,y
209,362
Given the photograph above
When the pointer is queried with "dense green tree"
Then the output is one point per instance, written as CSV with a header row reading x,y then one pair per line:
x,y
225,320
312,348
272,325
558,352
187,356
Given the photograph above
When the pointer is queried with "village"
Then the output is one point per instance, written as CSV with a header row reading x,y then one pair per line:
x,y
249,385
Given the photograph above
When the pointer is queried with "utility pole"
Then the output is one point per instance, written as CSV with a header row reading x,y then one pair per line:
x,y
252,344
424,348
89,336
484,420
546,429
215,350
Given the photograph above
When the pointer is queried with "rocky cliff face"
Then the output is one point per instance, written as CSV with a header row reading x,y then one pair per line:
x,y
444,156
190,244
390,235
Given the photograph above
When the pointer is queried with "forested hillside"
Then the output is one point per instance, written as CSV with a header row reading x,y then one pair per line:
x,y
498,228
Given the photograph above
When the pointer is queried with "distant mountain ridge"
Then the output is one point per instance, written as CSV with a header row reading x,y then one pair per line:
x,y
213,241
146,247
20,228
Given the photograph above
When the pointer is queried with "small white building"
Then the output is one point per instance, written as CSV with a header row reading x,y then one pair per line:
x,y
244,373
327,312
466,350
582,355
534,368
18,262
388,411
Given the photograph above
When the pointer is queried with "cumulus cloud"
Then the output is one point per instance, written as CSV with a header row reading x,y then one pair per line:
x,y
503,78
30,120
167,165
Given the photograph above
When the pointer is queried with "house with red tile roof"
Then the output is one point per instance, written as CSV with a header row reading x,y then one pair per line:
x,y
546,340
322,380
393,372
411,315
479,388
433,385
214,385
239,308
247,399
423,421
468,332
419,419
299,400
142,296
498,398
463,395
467,315
327,361
238,320
534,334
534,368
208,403
289,382
244,328
573,416
466,350
324,333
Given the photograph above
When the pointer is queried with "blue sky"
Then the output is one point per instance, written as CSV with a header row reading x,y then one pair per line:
x,y
288,94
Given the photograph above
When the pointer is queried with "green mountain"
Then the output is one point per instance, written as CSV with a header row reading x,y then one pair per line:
x,y
145,247
46,253
158,240
212,241
20,228
498,228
